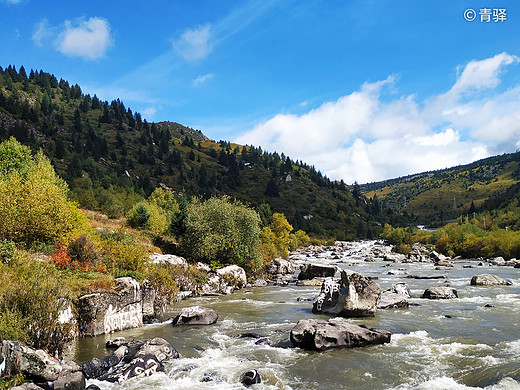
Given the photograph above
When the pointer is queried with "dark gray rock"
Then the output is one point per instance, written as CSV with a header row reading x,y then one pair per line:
x,y
353,296
391,300
34,363
311,271
440,292
139,367
138,358
72,381
195,315
320,335
489,280
439,258
40,367
96,368
251,377
157,346
116,343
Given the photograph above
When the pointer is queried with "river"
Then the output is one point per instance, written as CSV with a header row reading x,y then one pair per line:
x,y
444,344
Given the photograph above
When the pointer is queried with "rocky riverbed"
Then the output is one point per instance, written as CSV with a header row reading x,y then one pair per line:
x,y
457,327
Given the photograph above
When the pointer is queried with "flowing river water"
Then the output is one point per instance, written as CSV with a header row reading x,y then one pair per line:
x,y
436,344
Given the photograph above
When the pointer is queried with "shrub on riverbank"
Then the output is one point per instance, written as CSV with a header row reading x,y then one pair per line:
x,y
32,296
33,199
221,230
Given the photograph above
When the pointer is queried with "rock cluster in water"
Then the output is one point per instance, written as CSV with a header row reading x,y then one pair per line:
x,y
134,359
40,367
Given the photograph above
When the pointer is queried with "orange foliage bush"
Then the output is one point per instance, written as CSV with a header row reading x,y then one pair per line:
x,y
63,260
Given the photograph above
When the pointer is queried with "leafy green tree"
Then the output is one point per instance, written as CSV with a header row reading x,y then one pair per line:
x,y
221,230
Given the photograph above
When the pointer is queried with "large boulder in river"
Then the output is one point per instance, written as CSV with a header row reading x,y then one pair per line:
x,y
395,257
195,315
391,300
354,295
402,289
311,271
107,312
489,280
135,359
497,261
216,285
233,275
440,292
444,263
281,266
321,335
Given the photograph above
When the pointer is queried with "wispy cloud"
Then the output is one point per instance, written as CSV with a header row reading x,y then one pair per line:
x,y
202,79
89,39
194,44
149,113
43,31
365,137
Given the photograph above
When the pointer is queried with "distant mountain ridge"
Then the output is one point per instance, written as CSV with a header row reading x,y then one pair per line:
x,y
438,196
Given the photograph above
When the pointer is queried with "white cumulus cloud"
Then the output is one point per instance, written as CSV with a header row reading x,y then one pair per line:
x,y
194,44
364,137
89,39
482,74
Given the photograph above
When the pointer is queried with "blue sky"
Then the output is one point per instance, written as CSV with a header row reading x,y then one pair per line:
x,y
364,89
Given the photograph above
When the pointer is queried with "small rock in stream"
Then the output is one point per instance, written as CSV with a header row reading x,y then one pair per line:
x,y
251,377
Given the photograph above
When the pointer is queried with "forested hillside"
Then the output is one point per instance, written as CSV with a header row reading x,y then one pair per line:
x,y
112,158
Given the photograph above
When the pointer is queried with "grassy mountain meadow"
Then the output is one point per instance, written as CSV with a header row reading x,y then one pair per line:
x,y
112,158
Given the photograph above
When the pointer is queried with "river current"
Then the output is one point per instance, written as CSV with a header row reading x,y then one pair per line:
x,y
436,344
